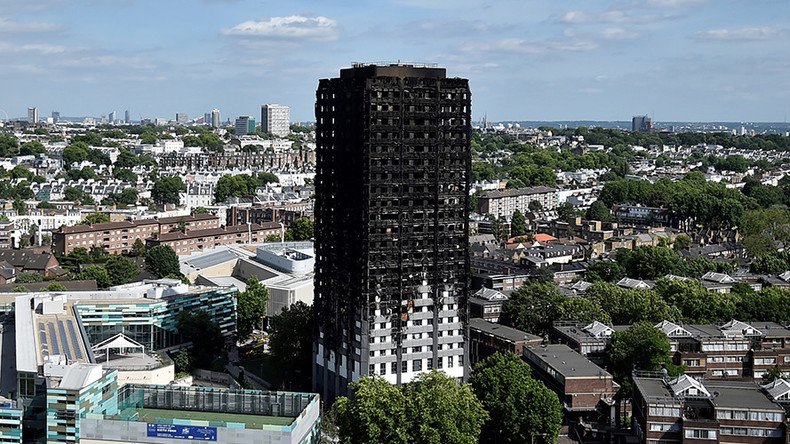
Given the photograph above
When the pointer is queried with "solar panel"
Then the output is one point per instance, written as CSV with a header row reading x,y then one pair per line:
x,y
64,341
74,341
42,335
54,339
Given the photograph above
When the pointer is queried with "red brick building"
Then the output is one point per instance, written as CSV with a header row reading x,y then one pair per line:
x,y
200,240
118,237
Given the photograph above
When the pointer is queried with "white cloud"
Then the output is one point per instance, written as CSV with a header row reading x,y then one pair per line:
x,y
521,46
673,3
14,27
31,48
616,33
577,17
291,27
742,34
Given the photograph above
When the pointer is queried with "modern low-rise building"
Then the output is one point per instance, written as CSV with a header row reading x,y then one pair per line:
x,y
487,303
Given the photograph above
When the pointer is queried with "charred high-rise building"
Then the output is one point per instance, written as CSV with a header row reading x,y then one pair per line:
x,y
392,189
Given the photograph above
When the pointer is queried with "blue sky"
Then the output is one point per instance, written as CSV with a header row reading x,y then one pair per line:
x,y
698,60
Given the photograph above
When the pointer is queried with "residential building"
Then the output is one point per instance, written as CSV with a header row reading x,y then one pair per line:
x,y
685,409
641,124
486,303
6,235
182,118
111,117
243,124
127,117
276,119
118,237
589,340
28,260
215,119
55,116
238,215
32,116
735,350
392,247
503,203
201,240
583,387
487,338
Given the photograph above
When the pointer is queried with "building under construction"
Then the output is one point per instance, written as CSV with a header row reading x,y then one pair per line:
x,y
393,166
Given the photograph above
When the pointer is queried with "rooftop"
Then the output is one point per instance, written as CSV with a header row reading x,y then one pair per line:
x,y
233,229
502,331
565,361
512,192
249,421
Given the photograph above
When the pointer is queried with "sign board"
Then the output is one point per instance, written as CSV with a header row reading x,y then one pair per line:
x,y
195,433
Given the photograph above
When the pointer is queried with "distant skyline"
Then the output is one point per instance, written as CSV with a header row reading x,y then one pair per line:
x,y
677,60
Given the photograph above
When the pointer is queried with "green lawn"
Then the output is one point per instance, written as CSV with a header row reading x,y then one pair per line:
x,y
251,421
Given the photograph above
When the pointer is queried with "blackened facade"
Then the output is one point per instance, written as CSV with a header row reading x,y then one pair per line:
x,y
393,164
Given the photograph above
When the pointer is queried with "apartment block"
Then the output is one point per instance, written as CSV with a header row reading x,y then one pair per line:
x,y
503,203
200,240
118,237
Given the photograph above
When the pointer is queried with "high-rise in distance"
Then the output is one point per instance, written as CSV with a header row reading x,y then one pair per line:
x,y
276,119
393,165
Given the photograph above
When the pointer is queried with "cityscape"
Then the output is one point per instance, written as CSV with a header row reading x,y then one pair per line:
x,y
252,230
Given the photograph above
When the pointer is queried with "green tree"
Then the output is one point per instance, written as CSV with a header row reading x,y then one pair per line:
x,y
75,153
77,195
768,264
533,307
290,343
167,190
682,242
9,146
566,212
626,307
121,269
241,185
183,362
301,229
199,210
375,412
138,248
518,224
598,211
205,335
607,271
641,347
95,273
45,205
55,286
20,172
649,262
251,308
125,175
695,302
535,205
95,218
582,310
161,261
27,277
770,304
762,229
32,148
443,411
520,407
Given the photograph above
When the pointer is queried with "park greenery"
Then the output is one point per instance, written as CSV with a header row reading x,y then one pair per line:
x,y
251,308
162,261
291,344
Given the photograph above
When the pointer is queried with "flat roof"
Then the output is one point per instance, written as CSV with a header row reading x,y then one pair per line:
x,y
502,331
565,361
233,229
250,421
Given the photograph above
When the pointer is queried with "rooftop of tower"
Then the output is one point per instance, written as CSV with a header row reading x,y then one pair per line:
x,y
401,70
